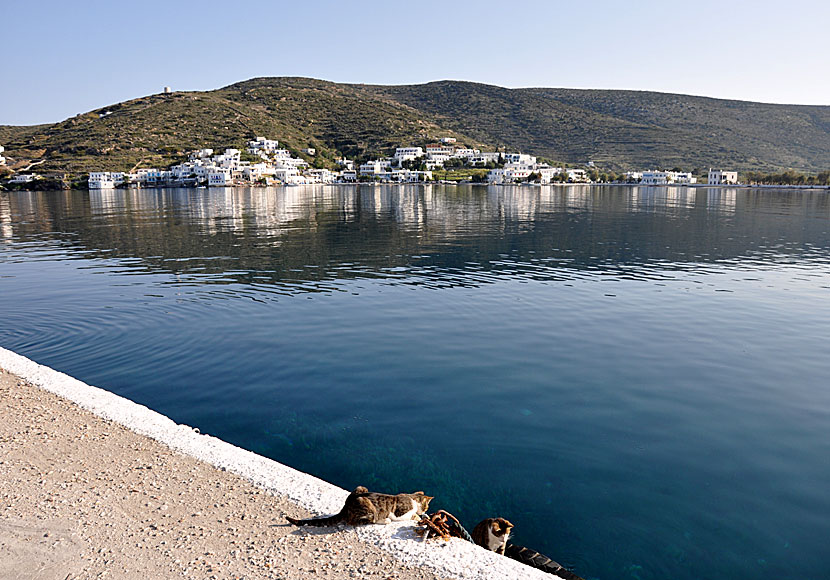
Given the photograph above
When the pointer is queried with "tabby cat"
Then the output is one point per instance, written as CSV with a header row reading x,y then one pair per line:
x,y
492,534
365,507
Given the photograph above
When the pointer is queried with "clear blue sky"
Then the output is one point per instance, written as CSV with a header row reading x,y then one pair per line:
x,y
61,58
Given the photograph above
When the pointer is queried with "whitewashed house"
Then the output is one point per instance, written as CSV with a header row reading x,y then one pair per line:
x,y
288,175
346,163
2,159
436,160
257,171
448,139
408,153
320,175
466,153
667,177
577,176
28,178
484,158
434,149
220,177
720,177
101,180
519,158
510,173
374,168
263,145
409,176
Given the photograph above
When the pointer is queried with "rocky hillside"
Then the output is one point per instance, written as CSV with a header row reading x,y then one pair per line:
x,y
615,129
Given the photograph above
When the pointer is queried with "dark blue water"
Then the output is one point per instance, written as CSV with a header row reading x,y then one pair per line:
x,y
637,378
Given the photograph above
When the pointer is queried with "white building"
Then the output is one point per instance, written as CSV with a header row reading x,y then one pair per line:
x,y
408,176
320,176
346,163
288,176
374,168
577,175
435,160
519,158
408,153
25,178
2,159
101,180
230,158
463,153
310,151
510,173
261,144
220,177
484,158
720,177
666,177
447,150
448,139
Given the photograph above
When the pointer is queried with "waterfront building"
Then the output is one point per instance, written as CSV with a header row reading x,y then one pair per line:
x,y
289,176
577,176
220,177
666,177
101,180
374,168
409,176
320,176
720,177
510,173
28,178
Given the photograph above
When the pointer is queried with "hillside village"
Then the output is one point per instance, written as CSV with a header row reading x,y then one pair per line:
x,y
273,165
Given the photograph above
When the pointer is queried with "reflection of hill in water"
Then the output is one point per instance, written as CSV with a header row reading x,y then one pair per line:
x,y
462,235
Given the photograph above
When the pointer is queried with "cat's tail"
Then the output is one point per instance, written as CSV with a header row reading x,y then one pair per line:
x,y
539,561
317,522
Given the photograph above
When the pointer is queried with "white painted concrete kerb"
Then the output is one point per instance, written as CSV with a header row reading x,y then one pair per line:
x,y
457,558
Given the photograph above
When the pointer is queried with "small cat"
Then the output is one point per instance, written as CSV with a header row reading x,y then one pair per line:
x,y
365,507
492,534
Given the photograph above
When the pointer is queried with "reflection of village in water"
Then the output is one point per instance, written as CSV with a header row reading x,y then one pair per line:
x,y
293,235
270,210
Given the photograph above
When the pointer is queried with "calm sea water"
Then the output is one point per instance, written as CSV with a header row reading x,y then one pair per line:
x,y
637,378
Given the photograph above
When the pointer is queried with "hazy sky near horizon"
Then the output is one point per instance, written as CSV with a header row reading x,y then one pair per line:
x,y
63,58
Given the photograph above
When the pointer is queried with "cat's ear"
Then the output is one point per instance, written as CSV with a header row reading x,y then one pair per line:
x,y
360,489
417,493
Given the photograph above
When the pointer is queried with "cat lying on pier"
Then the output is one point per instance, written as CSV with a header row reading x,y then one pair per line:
x,y
365,507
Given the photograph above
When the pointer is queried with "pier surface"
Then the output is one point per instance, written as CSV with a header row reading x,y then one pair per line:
x,y
83,496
